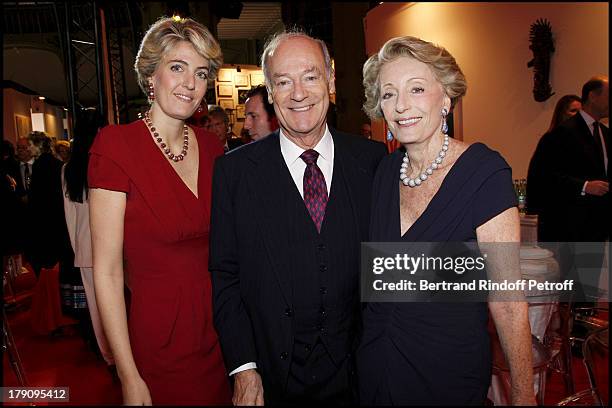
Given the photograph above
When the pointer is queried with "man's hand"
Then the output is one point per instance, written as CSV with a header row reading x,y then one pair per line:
x,y
597,187
248,389
12,183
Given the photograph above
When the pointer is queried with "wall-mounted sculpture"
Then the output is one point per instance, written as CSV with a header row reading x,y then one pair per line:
x,y
542,47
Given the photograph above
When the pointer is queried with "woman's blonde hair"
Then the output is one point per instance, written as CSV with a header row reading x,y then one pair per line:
x,y
163,35
441,62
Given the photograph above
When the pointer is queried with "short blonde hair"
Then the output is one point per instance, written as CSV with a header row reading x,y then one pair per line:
x,y
441,62
163,35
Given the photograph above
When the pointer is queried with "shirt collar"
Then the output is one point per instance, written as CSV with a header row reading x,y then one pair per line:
x,y
587,118
30,162
291,152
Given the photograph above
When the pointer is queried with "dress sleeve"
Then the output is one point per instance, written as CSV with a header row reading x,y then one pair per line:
x,y
496,193
104,169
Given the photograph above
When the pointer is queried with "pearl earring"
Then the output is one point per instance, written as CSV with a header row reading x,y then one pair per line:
x,y
444,124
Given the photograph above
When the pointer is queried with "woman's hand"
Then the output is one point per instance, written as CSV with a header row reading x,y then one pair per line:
x,y
136,392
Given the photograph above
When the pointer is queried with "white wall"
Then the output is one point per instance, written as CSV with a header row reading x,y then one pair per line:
x,y
490,42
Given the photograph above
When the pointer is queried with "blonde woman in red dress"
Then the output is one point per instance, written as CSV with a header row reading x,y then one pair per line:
x,y
150,184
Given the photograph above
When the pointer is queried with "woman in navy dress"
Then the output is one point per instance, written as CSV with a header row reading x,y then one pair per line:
x,y
436,189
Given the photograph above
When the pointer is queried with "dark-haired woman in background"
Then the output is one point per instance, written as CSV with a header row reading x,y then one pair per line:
x,y
567,106
76,211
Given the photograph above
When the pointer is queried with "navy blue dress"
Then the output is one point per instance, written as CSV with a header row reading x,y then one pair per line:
x,y
432,353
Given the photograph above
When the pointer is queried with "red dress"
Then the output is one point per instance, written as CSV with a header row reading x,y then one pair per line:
x,y
165,249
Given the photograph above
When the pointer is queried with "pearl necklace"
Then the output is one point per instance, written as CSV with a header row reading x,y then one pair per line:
x,y
407,181
163,145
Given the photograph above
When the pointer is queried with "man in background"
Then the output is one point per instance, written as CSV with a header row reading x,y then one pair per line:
x,y
574,163
23,174
219,125
366,131
260,119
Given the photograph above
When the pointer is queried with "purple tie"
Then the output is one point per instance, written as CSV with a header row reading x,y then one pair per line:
x,y
315,189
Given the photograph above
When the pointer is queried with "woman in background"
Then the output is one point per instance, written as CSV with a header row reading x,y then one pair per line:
x,y
150,188
76,211
537,185
566,107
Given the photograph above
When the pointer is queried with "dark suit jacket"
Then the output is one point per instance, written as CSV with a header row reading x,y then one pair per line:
x,y
48,235
234,143
564,159
13,169
250,257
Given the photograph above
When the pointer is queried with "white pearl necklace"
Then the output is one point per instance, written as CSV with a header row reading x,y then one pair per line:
x,y
407,181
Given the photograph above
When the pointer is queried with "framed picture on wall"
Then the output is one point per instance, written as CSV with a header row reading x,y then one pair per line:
x,y
240,111
225,75
257,78
226,103
242,96
225,90
22,126
241,80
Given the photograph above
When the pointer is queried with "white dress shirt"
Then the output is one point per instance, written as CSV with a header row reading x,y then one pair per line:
x,y
590,121
291,154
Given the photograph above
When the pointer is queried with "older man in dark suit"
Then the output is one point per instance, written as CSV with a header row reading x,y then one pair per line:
x,y
288,215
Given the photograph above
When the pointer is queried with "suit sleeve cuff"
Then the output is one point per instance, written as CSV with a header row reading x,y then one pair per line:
x,y
583,192
244,367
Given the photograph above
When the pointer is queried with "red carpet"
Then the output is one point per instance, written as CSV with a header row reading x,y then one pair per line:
x,y
55,361
62,361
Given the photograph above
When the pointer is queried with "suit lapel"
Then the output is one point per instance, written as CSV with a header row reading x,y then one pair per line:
x,y
606,135
587,138
275,192
353,174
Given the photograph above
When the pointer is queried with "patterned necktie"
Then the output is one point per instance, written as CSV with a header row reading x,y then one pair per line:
x,y
26,176
315,189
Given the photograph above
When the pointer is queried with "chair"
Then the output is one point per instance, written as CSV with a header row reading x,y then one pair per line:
x,y
596,339
560,337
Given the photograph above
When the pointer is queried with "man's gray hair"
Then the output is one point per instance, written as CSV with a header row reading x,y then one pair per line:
x,y
273,43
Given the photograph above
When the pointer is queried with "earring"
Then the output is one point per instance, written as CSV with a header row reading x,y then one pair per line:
x,y
389,136
444,124
200,107
151,93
